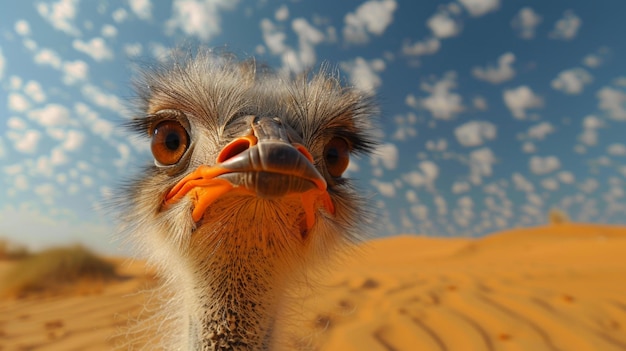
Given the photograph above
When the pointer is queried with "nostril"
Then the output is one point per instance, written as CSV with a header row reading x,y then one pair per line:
x,y
233,149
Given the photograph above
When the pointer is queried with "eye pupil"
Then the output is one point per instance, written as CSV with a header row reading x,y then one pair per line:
x,y
172,141
332,155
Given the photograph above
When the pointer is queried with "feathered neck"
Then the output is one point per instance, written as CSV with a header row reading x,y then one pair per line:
x,y
236,273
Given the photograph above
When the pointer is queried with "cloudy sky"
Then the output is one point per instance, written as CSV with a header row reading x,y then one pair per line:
x,y
493,112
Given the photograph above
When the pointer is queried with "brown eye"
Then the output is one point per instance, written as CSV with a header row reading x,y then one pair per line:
x,y
169,142
337,156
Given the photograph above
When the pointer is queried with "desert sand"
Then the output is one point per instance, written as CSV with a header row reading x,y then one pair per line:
x,y
557,287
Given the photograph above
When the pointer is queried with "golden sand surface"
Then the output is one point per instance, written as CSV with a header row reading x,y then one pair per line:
x,y
558,287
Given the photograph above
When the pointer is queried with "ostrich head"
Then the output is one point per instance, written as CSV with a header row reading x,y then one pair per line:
x,y
246,190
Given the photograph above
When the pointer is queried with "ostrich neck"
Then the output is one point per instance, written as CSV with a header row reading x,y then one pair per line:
x,y
234,302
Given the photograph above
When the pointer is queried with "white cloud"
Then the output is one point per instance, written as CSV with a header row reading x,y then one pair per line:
x,y
592,122
51,115
108,31
119,15
331,37
428,46
133,49
592,61
612,101
534,199
56,133
58,157
439,145
503,72
87,181
550,184
589,185
198,18
34,91
371,17
384,188
567,27
597,58
443,25
566,177
273,37
616,149
74,139
426,176
160,51
25,142
74,71
411,101
22,27
464,212
60,15
442,102
308,37
141,8
16,123
103,99
522,183
525,22
18,102
387,154
475,133
21,182
420,212
590,134
44,167
520,99
14,169
48,57
480,103
478,8
411,196
544,165
460,187
99,126
572,81
15,83
539,131
282,13
529,147
30,44
481,162
404,126
124,158
96,48
364,74
440,203
292,60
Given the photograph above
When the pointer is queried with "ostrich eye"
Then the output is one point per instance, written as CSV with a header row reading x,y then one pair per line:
x,y
337,156
169,142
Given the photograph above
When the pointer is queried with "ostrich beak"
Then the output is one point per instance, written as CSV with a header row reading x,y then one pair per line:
x,y
265,164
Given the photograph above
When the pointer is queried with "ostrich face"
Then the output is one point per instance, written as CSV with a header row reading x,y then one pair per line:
x,y
238,151
246,190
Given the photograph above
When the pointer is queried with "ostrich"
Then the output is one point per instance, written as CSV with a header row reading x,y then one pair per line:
x,y
246,192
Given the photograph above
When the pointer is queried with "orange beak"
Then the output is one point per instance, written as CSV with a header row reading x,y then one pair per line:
x,y
269,168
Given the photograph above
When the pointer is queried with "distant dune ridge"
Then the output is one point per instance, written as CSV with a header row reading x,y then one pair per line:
x,y
556,287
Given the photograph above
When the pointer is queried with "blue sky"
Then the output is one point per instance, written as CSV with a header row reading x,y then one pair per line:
x,y
493,112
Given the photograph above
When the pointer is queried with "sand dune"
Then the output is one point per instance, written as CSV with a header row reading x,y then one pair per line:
x,y
550,288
